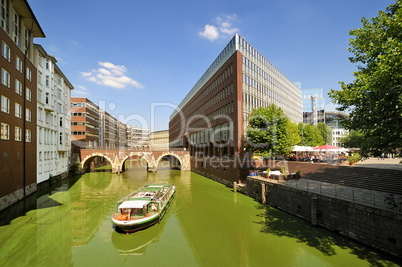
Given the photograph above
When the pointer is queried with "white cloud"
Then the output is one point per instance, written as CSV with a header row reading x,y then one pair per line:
x,y
222,28
111,75
81,90
210,32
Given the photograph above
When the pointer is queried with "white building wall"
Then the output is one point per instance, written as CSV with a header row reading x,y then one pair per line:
x,y
53,119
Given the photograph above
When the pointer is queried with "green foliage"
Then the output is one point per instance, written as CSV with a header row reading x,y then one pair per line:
x,y
326,132
374,99
270,132
354,158
310,135
354,139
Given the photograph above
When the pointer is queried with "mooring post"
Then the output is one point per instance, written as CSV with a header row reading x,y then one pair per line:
x,y
263,197
314,211
235,187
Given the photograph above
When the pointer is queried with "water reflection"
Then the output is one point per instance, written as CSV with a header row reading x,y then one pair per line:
x,y
136,243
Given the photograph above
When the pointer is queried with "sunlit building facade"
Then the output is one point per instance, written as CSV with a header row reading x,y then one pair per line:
x,y
18,94
53,118
313,106
159,140
210,121
332,119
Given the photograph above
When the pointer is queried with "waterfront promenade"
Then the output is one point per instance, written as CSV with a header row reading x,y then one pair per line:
x,y
367,182
390,164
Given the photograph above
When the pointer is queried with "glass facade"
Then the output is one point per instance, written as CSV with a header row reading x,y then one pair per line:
x,y
313,106
263,84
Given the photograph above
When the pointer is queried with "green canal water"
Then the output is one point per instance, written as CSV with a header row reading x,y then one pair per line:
x,y
207,225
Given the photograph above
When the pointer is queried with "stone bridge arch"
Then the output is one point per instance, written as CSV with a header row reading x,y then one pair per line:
x,y
85,162
133,154
178,157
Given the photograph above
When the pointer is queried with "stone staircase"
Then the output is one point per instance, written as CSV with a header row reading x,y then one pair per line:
x,y
384,180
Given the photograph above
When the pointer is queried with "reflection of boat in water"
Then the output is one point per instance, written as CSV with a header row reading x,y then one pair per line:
x,y
143,208
136,243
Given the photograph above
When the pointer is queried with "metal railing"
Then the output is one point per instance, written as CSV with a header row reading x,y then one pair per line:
x,y
363,196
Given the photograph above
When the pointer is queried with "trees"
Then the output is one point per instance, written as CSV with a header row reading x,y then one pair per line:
x,y
326,132
354,139
374,99
310,135
270,131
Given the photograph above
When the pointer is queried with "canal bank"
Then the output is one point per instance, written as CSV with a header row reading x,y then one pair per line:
x,y
356,213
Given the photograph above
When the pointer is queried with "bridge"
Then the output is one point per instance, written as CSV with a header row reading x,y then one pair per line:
x,y
117,157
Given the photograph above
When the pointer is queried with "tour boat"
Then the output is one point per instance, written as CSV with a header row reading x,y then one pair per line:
x,y
143,208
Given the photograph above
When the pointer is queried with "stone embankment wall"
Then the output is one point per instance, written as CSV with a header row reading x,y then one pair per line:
x,y
380,229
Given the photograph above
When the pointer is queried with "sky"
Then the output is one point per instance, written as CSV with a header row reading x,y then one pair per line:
x,y
137,60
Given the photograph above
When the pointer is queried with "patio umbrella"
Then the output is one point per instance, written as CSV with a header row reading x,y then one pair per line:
x,y
329,148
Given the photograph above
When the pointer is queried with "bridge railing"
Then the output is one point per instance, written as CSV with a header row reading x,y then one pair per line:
x,y
141,149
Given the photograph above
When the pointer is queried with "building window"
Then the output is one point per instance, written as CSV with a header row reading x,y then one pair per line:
x,y
18,87
40,114
18,134
61,139
18,110
28,114
5,104
5,131
39,77
4,16
28,74
40,95
28,136
47,81
47,66
28,94
5,51
18,64
5,78
17,29
27,41
61,121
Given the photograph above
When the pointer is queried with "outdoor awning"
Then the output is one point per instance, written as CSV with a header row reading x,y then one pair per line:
x,y
302,148
330,148
133,204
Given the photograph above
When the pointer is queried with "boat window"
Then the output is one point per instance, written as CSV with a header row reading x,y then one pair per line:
x,y
153,207
126,211
138,212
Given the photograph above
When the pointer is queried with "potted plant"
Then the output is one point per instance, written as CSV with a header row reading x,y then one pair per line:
x,y
268,172
352,159
297,174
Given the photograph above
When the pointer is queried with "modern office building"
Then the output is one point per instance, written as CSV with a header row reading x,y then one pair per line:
x,y
86,120
93,127
332,119
210,121
159,140
313,106
18,93
137,138
53,117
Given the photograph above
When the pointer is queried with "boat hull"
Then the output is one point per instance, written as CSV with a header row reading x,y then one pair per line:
x,y
133,227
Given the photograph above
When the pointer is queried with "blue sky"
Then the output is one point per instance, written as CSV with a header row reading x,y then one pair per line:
x,y
138,59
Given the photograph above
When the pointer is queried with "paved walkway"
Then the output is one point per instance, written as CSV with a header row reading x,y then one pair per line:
x,y
391,164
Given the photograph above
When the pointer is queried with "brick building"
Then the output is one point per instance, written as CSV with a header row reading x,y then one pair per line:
x,y
18,92
210,121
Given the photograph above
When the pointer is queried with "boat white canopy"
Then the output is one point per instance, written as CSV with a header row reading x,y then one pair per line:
x,y
133,204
